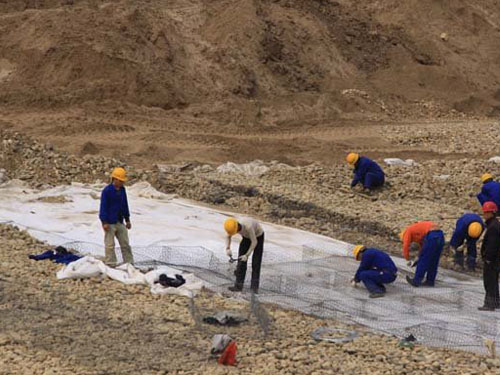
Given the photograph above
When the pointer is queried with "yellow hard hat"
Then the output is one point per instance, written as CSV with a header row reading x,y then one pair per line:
x,y
357,249
402,234
485,177
475,229
231,226
352,158
120,174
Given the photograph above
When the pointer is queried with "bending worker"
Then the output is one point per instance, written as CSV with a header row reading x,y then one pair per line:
x,y
375,270
251,244
431,241
490,192
490,253
366,171
468,229
113,212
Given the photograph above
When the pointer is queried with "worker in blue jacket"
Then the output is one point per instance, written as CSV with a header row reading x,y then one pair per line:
x,y
375,270
113,213
468,229
490,191
428,260
366,171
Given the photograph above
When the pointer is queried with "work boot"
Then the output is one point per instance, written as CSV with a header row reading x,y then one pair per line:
x,y
411,281
235,288
376,295
486,308
428,284
459,268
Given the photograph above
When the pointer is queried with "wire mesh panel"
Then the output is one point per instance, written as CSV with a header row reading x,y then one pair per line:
x,y
318,284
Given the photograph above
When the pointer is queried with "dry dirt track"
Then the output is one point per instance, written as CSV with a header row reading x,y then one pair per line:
x,y
146,137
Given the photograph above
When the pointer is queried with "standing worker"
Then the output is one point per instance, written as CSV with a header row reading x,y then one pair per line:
x,y
468,229
490,253
252,243
431,241
490,192
113,212
366,171
375,270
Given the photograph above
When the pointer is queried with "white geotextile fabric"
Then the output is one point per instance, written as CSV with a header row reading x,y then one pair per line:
x,y
495,159
404,163
254,168
127,274
156,218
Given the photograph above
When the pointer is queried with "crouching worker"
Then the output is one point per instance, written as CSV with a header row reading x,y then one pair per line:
x,y
375,270
366,171
490,192
251,244
431,239
468,229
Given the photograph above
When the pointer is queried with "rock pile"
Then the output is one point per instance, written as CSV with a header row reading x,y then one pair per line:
x,y
39,164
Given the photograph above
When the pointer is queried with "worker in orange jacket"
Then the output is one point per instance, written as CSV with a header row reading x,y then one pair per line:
x,y
415,233
431,242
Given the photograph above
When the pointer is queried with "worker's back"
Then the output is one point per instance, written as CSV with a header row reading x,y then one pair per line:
x,y
416,233
492,190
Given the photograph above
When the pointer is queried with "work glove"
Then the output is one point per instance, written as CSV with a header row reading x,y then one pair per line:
x,y
354,284
412,263
229,252
243,258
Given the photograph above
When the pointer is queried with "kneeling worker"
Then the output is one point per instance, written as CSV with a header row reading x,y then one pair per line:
x,y
366,171
375,270
468,229
252,243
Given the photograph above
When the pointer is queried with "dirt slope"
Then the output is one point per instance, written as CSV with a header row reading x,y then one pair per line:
x,y
206,80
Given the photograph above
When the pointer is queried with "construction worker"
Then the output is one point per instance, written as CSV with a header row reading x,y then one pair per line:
x,y
431,241
113,212
251,244
490,253
366,171
375,270
414,235
490,191
469,228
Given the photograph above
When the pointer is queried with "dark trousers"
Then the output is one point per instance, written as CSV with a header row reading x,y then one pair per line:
x,y
428,260
490,280
374,280
373,180
241,268
471,256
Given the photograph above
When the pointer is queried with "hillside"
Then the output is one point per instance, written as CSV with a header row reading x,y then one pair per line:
x,y
196,79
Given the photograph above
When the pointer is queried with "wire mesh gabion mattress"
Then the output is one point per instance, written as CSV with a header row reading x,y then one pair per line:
x,y
318,284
